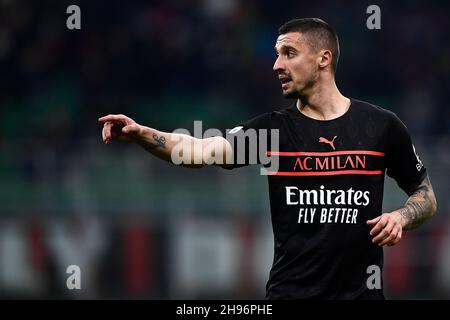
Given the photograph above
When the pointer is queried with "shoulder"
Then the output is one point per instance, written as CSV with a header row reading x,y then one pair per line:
x,y
284,112
370,111
394,130
368,108
267,119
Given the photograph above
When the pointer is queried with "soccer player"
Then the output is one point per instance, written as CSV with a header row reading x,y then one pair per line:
x,y
326,196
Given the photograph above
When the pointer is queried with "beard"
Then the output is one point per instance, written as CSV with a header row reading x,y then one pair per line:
x,y
291,94
301,90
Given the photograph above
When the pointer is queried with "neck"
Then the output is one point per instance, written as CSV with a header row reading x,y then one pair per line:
x,y
323,102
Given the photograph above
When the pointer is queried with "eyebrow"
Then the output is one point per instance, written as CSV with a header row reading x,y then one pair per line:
x,y
285,47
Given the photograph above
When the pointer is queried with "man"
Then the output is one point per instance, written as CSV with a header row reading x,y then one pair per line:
x,y
326,196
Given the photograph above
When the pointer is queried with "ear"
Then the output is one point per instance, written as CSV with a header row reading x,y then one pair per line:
x,y
325,58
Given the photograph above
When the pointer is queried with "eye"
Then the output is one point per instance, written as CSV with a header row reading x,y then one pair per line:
x,y
290,54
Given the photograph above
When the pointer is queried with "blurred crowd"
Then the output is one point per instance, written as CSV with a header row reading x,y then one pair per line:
x,y
67,198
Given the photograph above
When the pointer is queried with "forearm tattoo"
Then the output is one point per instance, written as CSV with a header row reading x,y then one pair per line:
x,y
159,142
420,206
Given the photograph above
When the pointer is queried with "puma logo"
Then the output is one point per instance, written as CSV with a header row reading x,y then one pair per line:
x,y
325,140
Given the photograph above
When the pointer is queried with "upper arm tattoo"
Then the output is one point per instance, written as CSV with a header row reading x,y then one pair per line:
x,y
420,206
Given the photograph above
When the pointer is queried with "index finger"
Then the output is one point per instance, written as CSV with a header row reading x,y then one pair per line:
x,y
373,221
112,117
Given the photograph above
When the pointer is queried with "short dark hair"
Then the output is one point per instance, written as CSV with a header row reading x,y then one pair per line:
x,y
319,34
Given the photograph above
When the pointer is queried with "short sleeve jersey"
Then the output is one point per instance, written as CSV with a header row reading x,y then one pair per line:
x,y
327,184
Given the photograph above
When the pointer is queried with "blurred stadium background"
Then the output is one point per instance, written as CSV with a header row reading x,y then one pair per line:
x,y
142,228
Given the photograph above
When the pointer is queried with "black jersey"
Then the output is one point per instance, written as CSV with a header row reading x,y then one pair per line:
x,y
328,183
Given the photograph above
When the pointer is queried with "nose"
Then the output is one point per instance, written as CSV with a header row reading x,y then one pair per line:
x,y
278,65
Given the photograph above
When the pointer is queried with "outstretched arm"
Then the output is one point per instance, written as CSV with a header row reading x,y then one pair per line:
x,y
195,152
420,206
